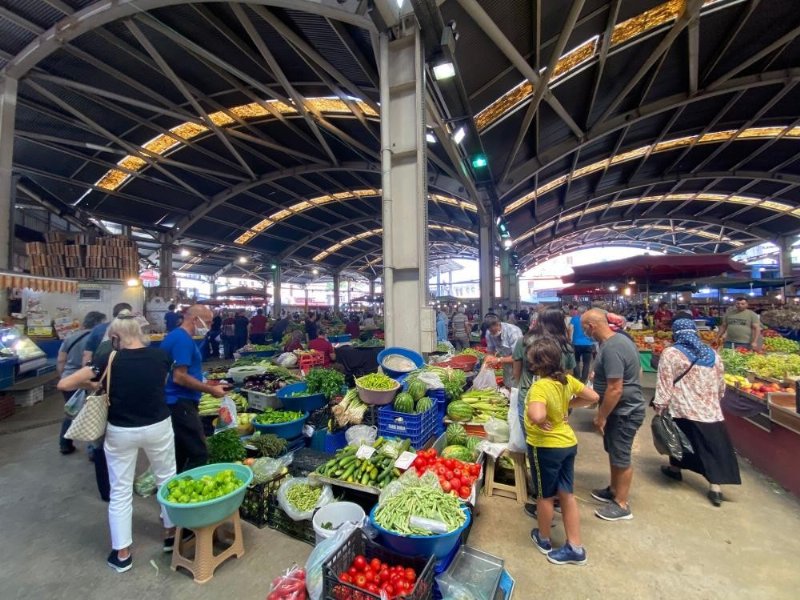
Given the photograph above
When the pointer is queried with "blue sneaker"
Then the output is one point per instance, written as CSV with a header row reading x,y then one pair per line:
x,y
567,555
542,544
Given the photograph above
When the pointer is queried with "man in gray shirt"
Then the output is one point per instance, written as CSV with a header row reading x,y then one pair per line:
x,y
617,379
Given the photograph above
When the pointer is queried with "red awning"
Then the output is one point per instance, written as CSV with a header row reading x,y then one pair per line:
x,y
655,268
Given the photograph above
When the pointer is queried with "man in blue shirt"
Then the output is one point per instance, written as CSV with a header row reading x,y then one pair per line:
x,y
185,386
171,319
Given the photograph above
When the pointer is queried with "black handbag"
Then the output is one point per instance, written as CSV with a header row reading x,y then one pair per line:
x,y
667,436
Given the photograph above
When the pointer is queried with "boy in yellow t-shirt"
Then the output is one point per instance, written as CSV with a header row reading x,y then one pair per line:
x,y
554,447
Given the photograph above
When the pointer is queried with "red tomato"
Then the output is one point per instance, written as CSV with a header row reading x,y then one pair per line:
x,y
384,575
455,483
360,581
449,463
345,577
420,463
411,575
457,472
406,586
449,474
369,575
446,485
360,562
389,589
373,589
465,492
375,564
352,571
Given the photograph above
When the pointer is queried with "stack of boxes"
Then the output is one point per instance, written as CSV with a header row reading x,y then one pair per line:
x,y
84,256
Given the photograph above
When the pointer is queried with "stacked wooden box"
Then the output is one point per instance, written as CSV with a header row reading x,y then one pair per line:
x,y
84,256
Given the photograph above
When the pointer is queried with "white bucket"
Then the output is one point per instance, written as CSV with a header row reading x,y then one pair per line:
x,y
336,514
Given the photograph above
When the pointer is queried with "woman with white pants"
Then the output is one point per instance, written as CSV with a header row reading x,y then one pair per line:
x,y
138,418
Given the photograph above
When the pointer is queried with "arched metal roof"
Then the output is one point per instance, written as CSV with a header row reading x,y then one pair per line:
x,y
252,127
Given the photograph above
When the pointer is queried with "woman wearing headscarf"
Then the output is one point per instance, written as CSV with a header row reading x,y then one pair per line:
x,y
295,342
694,403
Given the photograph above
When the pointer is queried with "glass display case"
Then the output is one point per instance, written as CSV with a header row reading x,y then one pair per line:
x,y
14,344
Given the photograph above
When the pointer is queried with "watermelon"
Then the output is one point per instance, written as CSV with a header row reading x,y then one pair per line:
x,y
404,403
472,444
459,411
456,434
417,389
461,453
424,405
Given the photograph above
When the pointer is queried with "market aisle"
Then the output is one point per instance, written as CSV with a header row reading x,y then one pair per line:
x,y
55,537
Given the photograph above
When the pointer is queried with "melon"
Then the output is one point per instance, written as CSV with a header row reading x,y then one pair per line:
x,y
404,403
417,389
456,434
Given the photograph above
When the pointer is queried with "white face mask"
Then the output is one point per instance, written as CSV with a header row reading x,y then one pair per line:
x,y
203,329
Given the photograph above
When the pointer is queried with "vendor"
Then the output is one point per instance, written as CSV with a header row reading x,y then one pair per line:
x,y
663,318
741,327
295,343
500,341
324,347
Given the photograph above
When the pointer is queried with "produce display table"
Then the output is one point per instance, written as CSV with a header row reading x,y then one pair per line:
x,y
645,357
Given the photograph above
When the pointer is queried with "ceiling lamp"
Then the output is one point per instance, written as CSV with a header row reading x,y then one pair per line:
x,y
184,252
430,138
444,69
242,259
459,135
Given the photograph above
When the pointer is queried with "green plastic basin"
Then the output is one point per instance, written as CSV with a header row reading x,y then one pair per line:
x,y
202,514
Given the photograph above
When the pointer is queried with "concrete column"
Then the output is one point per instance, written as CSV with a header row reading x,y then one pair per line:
x,y
8,110
276,292
409,321
486,262
166,282
509,281
336,283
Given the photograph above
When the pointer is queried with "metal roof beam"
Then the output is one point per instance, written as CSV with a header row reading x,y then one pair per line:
x,y
728,38
605,44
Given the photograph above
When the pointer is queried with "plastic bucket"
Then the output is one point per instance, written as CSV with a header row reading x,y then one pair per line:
x,y
336,514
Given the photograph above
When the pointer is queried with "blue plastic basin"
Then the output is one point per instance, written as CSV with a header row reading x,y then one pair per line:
x,y
416,357
288,430
438,545
308,403
202,514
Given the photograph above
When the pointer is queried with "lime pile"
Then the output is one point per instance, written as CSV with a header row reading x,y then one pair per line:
x,y
187,490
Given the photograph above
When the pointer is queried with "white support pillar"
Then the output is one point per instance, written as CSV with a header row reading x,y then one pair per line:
x,y
409,321
509,281
486,262
785,260
276,292
8,110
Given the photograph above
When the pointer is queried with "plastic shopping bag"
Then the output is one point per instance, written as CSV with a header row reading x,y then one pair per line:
x,y
296,514
227,414
145,484
497,431
516,435
485,380
75,403
319,556
289,586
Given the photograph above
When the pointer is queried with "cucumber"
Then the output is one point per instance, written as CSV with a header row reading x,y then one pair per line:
x,y
347,474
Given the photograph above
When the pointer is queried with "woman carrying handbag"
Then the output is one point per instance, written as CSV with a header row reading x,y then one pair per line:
x,y
690,387
138,418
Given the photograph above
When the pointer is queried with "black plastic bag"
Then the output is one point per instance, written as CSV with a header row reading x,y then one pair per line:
x,y
668,438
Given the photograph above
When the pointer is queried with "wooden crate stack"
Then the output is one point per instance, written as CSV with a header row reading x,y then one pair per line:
x,y
84,256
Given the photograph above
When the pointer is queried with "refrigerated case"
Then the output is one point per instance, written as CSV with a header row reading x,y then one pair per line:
x,y
14,344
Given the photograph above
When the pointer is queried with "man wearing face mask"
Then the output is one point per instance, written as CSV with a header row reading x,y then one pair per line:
x,y
185,386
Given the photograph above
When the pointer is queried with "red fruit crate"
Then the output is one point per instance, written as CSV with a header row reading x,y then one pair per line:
x,y
359,544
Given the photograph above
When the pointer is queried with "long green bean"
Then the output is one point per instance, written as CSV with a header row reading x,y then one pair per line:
x,y
421,501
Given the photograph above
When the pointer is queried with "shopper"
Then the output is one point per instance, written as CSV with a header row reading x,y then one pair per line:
x,y
352,329
240,327
460,324
663,317
324,347
98,334
741,327
214,337
171,319
621,411
69,360
694,403
138,418
258,327
441,326
185,386
295,341
279,329
312,326
554,446
229,336
500,341
584,347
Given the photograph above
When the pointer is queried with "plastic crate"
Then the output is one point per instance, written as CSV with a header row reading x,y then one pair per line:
x,y
7,368
261,401
359,543
306,460
278,520
442,565
418,427
255,506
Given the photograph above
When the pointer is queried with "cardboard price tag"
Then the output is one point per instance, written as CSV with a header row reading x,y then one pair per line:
x,y
405,460
649,339
365,452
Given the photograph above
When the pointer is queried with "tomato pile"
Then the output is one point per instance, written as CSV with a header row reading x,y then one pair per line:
x,y
455,477
374,576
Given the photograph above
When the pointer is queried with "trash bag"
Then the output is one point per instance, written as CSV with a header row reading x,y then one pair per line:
x,y
145,484
326,497
668,438
516,435
75,403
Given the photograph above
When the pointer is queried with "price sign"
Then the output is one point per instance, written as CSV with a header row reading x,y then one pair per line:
x,y
365,452
649,339
405,460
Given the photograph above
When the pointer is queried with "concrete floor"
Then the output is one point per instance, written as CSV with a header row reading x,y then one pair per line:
x,y
55,536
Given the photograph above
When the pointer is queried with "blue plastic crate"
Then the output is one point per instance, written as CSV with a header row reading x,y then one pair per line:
x,y
7,368
418,427
335,441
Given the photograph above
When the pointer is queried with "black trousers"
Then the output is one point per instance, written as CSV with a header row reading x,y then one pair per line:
x,y
190,441
583,362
